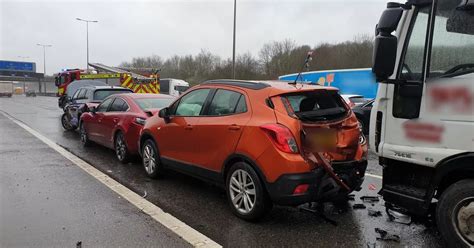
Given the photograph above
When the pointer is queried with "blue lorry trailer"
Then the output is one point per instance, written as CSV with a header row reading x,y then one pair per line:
x,y
348,81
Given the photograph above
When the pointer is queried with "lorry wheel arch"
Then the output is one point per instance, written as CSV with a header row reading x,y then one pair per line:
x,y
453,169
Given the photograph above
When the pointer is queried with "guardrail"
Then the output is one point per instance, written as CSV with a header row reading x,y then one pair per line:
x,y
46,94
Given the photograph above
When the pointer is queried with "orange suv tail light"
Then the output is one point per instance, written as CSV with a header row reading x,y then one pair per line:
x,y
281,137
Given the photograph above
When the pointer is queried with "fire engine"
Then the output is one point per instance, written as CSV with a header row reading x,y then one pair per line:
x,y
116,77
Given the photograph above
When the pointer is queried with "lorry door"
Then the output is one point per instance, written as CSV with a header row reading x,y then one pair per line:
x,y
429,111
221,126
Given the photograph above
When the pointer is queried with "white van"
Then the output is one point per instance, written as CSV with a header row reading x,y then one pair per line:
x,y
173,87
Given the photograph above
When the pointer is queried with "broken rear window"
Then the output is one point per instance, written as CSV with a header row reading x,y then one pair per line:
x,y
318,105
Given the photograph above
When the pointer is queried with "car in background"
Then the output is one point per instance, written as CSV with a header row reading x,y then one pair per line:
x,y
6,94
83,99
73,88
30,93
116,122
172,86
362,113
264,142
354,100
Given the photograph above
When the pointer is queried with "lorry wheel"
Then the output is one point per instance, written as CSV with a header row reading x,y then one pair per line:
x,y
455,214
246,194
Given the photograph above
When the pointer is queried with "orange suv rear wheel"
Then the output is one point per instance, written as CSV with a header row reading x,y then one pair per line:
x,y
245,192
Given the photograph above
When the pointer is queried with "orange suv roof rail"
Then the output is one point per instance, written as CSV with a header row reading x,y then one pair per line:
x,y
239,83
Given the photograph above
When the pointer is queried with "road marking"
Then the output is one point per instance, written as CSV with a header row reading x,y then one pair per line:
x,y
374,176
180,228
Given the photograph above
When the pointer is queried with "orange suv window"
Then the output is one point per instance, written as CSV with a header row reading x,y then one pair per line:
x,y
315,106
227,102
191,104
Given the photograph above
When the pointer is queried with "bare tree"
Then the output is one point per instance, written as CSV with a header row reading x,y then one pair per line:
x,y
274,59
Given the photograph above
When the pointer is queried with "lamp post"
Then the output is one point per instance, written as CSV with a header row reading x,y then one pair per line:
x,y
233,45
87,34
44,55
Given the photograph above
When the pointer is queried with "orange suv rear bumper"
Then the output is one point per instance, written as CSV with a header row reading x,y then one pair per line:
x,y
320,185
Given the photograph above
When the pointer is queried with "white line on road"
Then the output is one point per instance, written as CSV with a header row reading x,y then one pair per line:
x,y
374,176
180,228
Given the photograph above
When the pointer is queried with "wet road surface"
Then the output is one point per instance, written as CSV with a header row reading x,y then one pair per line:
x,y
204,207
47,201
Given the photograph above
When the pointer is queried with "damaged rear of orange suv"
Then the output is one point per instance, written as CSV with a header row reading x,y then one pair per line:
x,y
328,158
264,142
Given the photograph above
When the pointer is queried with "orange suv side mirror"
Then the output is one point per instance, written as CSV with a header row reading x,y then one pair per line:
x,y
165,114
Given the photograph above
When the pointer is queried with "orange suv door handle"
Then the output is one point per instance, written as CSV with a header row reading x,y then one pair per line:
x,y
234,127
188,127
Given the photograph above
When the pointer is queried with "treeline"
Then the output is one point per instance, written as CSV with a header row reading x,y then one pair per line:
x,y
274,59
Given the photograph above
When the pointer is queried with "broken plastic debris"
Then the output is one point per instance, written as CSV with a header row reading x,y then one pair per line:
x,y
384,235
372,186
369,199
398,217
358,206
374,213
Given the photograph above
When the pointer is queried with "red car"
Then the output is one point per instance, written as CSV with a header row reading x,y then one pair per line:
x,y
116,122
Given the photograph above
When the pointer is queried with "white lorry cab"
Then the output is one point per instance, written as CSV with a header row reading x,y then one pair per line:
x,y
173,87
423,114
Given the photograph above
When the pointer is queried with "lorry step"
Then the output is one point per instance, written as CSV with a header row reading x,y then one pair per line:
x,y
407,190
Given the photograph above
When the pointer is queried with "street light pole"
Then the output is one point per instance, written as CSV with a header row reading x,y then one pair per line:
x,y
233,45
87,37
44,55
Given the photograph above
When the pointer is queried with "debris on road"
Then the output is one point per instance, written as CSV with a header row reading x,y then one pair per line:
x,y
318,210
373,212
359,206
350,197
79,244
398,217
144,195
372,186
369,199
385,236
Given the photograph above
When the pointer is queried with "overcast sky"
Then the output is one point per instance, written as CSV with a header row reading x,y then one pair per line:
x,y
128,29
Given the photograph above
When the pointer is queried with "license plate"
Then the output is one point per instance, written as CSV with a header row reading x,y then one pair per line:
x,y
324,139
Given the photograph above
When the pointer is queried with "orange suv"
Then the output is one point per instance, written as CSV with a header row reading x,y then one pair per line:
x,y
264,142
